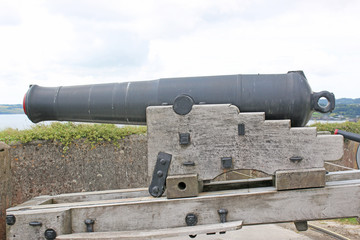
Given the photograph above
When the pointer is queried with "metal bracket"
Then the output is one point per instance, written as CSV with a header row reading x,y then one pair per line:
x,y
157,186
301,226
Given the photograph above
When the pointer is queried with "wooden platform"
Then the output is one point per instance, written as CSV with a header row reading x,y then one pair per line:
x,y
122,212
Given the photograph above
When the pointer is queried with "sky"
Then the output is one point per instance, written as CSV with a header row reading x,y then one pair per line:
x,y
65,42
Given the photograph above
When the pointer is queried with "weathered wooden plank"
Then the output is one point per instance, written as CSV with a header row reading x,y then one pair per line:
x,y
182,186
83,198
46,199
300,178
343,175
267,145
156,234
101,195
56,219
253,206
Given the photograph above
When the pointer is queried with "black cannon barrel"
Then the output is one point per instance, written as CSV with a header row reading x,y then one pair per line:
x,y
280,96
349,135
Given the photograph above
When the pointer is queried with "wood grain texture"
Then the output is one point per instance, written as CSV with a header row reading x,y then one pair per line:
x,y
156,234
182,186
56,219
266,146
300,178
251,206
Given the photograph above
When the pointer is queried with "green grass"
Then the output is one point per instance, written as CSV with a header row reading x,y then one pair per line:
x,y
66,133
353,127
351,221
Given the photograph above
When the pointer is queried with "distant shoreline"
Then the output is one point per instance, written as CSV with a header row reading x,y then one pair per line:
x,y
11,109
6,113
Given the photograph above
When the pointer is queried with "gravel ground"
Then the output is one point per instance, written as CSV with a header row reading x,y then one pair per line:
x,y
348,231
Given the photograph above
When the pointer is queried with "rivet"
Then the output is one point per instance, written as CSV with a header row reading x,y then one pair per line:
x,y
50,234
191,219
155,190
160,173
10,220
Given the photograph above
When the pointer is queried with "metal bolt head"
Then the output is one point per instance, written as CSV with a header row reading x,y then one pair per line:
x,y
191,219
222,212
155,190
160,173
301,225
50,234
89,221
162,161
10,220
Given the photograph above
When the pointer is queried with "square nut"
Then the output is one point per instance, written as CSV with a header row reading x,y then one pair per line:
x,y
226,163
181,186
184,138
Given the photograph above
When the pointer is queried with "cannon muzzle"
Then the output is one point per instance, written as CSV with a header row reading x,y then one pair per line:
x,y
280,96
348,135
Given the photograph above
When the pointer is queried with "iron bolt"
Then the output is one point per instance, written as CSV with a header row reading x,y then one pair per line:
x,y
222,212
296,159
35,224
162,161
191,219
10,220
89,225
155,190
50,234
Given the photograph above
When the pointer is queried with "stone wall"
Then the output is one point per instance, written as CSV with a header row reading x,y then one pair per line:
x,y
42,167
5,186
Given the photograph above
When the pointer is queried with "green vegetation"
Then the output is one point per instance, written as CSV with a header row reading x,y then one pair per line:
x,y
351,221
347,110
346,126
66,133
11,109
348,101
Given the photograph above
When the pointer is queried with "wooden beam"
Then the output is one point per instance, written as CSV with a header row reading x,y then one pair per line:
x,y
337,199
156,234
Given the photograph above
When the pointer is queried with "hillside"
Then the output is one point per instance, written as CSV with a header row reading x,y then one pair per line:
x,y
348,101
11,109
345,109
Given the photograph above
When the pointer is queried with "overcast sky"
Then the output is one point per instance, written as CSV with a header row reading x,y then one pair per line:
x,y
60,42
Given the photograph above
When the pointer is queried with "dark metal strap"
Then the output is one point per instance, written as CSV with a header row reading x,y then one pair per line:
x,y
157,186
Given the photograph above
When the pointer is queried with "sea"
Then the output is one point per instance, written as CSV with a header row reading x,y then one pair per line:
x,y
15,121
21,122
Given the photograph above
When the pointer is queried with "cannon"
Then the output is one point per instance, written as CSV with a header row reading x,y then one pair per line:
x,y
201,133
348,135
280,96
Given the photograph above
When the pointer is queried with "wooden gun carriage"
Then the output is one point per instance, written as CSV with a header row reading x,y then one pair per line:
x,y
196,134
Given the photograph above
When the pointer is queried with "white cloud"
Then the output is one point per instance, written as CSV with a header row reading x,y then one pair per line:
x,y
66,43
